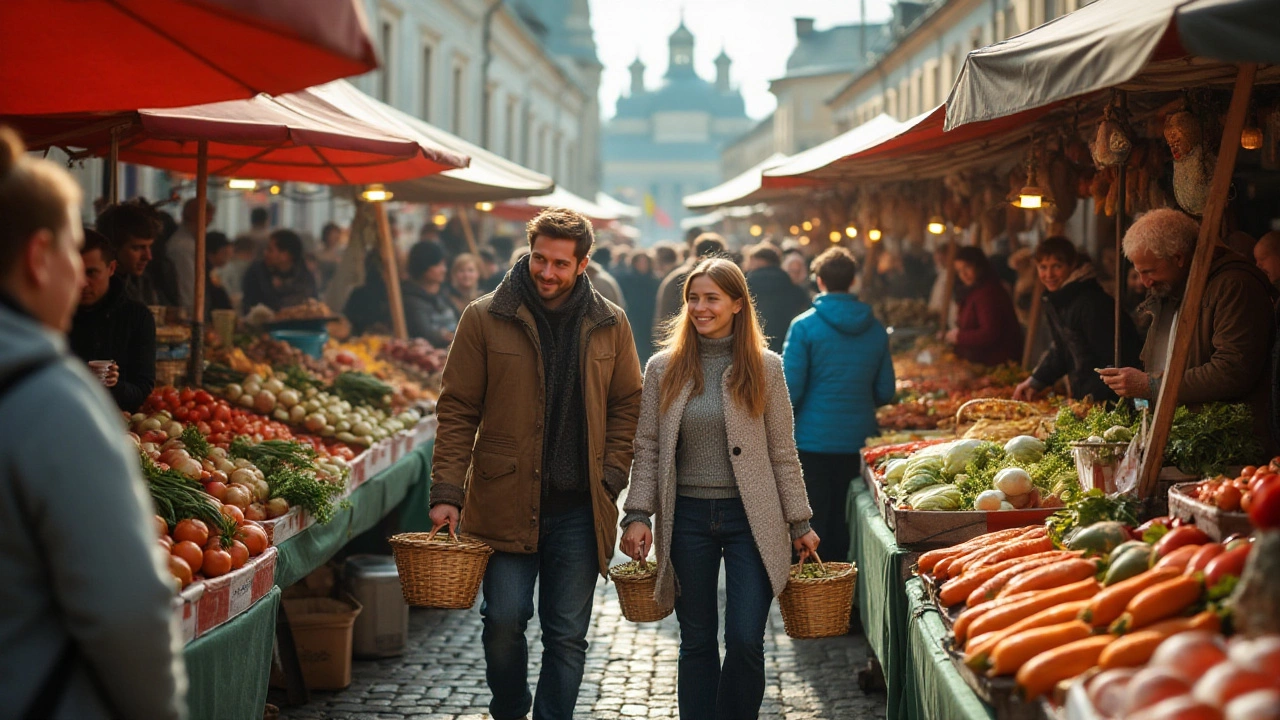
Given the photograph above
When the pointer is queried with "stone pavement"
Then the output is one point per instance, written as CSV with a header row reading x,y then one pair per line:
x,y
631,673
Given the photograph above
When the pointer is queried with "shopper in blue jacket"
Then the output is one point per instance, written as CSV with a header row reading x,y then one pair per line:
x,y
838,368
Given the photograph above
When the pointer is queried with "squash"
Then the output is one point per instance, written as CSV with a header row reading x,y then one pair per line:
x,y
1099,538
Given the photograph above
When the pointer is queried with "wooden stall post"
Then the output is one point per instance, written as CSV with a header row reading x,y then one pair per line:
x,y
398,327
196,372
1185,325
468,230
1123,99
1033,324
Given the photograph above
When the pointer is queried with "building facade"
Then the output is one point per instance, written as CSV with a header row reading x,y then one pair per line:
x,y
665,143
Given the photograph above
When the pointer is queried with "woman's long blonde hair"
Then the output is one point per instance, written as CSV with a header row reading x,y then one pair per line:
x,y
746,378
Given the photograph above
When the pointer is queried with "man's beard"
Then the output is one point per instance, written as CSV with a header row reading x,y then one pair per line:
x,y
1161,290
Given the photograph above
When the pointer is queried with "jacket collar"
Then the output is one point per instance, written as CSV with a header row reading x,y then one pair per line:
x,y
507,302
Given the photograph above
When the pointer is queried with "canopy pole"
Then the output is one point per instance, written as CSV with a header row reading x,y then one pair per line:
x,y
391,272
1033,324
113,168
1123,102
1185,325
197,312
468,230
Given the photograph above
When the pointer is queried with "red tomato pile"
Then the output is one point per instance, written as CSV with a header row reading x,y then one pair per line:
x,y
1256,492
196,551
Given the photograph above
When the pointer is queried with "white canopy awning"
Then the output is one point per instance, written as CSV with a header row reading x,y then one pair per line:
x,y
528,207
614,205
839,147
734,191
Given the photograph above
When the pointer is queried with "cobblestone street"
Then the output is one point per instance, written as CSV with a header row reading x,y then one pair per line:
x,y
631,673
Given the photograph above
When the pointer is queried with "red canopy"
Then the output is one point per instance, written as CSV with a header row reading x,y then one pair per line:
x,y
109,55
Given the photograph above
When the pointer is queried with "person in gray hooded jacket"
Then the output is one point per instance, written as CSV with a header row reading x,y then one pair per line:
x,y
88,630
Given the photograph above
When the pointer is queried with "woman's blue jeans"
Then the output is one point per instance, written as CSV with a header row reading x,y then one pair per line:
x,y
706,531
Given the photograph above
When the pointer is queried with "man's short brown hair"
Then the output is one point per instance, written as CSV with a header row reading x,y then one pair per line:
x,y
836,268
559,223
765,253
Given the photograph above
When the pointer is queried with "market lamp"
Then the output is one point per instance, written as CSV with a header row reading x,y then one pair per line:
x,y
241,184
806,225
275,189
874,235
440,220
937,225
1032,195
804,240
1251,138
376,193
756,231
795,230
834,236
484,206
851,231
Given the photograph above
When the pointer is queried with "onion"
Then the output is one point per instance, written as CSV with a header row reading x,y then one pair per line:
x,y
224,465
314,422
217,453
264,402
261,490
243,476
255,511
151,424
277,507
189,467
245,400
297,414
172,429
237,495
218,476
149,448
273,386
216,488
232,392
171,455
137,418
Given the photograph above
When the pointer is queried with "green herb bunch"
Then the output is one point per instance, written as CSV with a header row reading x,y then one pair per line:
x,y
1206,441
1092,506
178,497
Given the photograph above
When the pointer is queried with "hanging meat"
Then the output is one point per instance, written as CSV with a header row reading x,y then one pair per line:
x,y
1111,143
1192,162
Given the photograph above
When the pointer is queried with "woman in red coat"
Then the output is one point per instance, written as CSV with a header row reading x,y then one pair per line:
x,y
987,329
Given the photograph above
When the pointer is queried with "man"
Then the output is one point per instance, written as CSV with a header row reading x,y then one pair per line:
x,y
280,279
259,229
671,291
181,250
427,311
1266,255
666,256
132,228
778,300
1230,355
838,368
606,284
545,370
88,629
794,264
217,255
110,326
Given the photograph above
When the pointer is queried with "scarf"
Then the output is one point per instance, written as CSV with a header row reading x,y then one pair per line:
x,y
564,439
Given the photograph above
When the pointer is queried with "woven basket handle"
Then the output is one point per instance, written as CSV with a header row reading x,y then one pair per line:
x,y
821,566
452,536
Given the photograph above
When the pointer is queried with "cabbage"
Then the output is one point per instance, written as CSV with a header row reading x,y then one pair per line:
x,y
1013,481
939,497
926,464
959,456
894,470
916,483
1024,449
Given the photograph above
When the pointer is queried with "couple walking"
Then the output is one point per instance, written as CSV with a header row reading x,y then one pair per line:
x,y
541,407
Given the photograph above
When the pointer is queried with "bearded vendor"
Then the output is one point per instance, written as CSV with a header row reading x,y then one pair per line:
x,y
1230,351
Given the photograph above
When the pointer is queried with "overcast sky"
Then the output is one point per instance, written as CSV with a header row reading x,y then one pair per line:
x,y
758,35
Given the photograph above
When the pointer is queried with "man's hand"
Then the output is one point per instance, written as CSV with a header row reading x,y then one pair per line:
x,y
1026,392
806,545
952,336
636,541
112,377
1127,382
445,514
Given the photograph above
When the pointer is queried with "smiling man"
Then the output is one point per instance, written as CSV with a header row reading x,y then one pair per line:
x,y
538,409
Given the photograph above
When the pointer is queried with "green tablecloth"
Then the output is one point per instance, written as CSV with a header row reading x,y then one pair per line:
x,y
369,503
933,688
882,600
229,667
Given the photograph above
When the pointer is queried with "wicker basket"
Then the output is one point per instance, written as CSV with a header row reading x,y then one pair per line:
x,y
635,594
819,607
998,419
440,573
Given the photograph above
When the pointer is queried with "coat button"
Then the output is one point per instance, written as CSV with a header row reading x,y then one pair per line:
x,y
737,451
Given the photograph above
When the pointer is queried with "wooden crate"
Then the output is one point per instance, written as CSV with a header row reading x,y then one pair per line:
x,y
1218,524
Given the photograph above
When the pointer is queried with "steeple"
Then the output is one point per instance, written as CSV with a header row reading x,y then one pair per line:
x,y
680,60
637,76
722,71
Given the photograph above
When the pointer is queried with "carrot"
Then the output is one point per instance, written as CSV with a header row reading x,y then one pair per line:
x,y
1005,615
990,588
1017,549
970,615
1014,545
1109,604
959,588
928,560
1058,574
953,565
1014,651
1158,602
1136,648
1040,674
978,651
1179,558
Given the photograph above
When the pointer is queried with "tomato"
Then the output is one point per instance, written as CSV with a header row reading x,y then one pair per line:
x,y
239,554
232,512
180,570
181,414
1228,498
222,413
204,398
190,552
1264,511
1177,537
1259,480
201,412
216,562
194,530
254,538
1248,471
1230,562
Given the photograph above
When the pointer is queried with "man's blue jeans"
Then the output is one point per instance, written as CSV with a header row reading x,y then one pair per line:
x,y
565,567
705,531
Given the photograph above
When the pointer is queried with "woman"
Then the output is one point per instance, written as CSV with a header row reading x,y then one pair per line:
x,y
716,463
427,311
368,309
464,281
1081,320
987,329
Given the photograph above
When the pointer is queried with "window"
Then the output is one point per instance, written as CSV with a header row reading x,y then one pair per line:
x,y
426,82
456,121
386,40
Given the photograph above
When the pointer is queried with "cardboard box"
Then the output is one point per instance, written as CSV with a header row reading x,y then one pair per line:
x,y
287,525
186,607
1217,524
322,635
229,595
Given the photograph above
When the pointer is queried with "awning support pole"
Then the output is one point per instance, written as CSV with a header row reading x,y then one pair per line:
x,y
1210,223
1123,101
196,371
390,272
467,229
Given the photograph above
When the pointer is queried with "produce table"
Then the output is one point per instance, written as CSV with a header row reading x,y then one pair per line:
x,y
932,688
228,668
